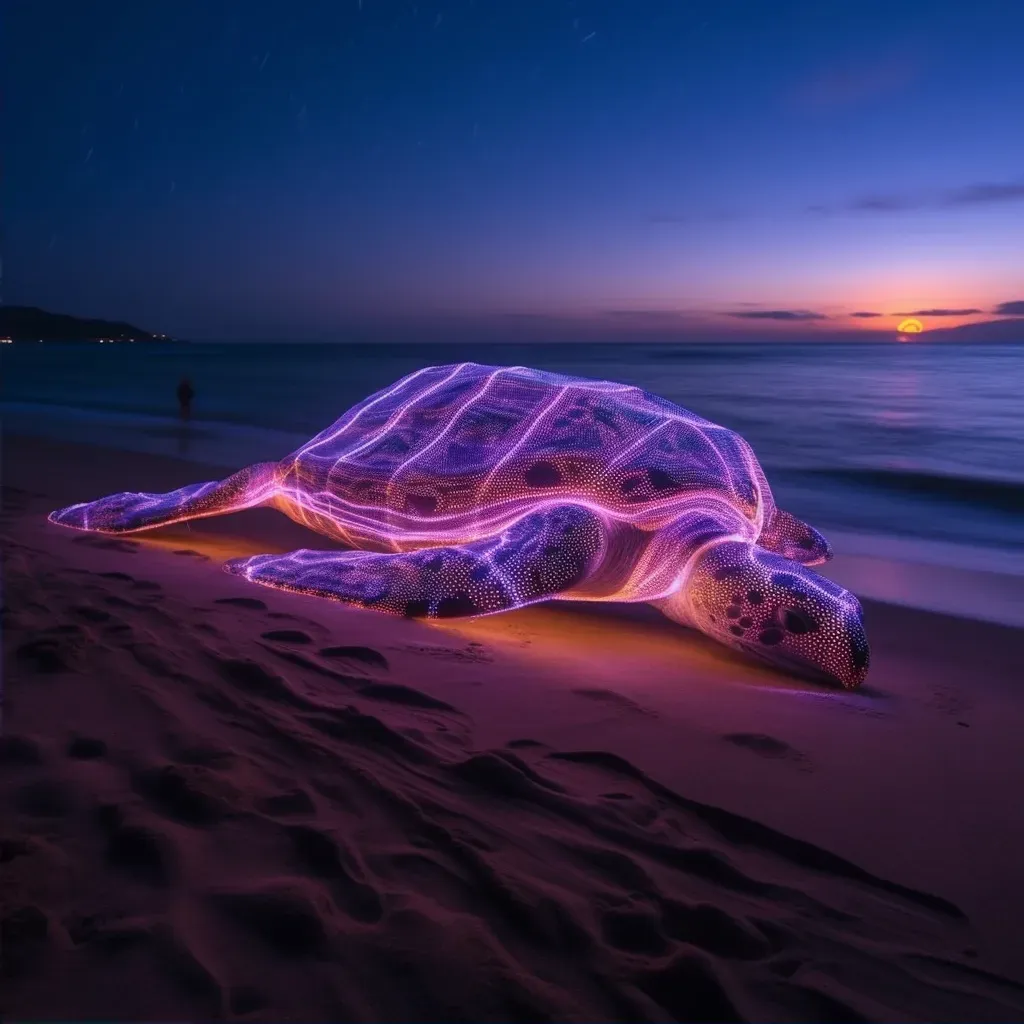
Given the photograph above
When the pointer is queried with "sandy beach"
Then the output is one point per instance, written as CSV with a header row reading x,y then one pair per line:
x,y
222,801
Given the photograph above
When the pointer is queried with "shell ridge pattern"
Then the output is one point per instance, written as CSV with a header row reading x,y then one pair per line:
x,y
368,420
728,472
346,456
457,452
531,427
623,455
335,430
758,490
395,479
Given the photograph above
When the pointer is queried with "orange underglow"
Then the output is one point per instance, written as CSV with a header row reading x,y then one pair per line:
x,y
604,644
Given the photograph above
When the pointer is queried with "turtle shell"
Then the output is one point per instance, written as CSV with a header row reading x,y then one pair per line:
x,y
462,450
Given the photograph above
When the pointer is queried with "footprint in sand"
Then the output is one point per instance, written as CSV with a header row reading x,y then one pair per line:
x,y
395,693
86,748
525,744
26,934
91,614
188,794
295,803
634,930
208,755
45,798
15,498
19,750
287,636
10,849
156,659
140,850
503,774
612,699
256,680
288,917
324,856
189,553
768,747
118,627
362,655
58,651
245,999
252,603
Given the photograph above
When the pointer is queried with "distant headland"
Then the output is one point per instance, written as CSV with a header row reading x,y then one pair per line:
x,y
27,323
986,332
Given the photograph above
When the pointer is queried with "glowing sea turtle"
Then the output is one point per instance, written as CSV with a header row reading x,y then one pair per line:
x,y
471,489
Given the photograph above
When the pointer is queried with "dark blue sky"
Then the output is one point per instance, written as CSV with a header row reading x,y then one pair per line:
x,y
215,168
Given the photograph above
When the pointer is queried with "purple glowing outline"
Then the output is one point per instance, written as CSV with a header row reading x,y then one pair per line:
x,y
681,508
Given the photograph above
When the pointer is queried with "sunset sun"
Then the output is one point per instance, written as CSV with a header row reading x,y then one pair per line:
x,y
910,326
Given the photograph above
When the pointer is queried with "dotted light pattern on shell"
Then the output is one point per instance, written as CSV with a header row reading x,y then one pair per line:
x,y
469,489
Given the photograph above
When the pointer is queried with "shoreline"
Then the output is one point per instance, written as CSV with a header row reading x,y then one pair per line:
x,y
537,794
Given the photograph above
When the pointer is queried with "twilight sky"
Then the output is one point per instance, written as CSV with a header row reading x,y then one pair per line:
x,y
232,168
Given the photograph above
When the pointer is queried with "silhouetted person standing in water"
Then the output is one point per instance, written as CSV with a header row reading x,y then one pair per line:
x,y
185,396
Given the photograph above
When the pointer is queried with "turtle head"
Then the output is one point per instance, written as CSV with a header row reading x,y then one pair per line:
x,y
777,610
793,538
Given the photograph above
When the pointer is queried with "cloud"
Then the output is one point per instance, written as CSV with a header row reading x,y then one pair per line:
x,y
998,192
866,316
941,312
646,315
883,204
1015,308
979,194
778,314
848,85
869,204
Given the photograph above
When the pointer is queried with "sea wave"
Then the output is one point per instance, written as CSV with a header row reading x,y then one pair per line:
x,y
989,492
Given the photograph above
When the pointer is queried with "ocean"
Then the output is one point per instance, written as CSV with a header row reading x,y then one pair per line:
x,y
904,442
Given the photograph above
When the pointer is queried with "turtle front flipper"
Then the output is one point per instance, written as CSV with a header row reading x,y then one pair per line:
x,y
543,554
793,538
131,511
777,610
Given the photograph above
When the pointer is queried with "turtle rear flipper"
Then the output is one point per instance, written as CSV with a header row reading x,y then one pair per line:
x,y
541,555
793,538
131,511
